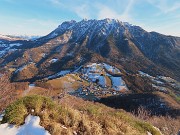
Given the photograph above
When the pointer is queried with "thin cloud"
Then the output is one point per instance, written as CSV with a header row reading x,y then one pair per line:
x,y
164,6
55,2
82,12
107,12
126,14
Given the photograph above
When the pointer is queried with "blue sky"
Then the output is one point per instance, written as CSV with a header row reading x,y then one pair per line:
x,y
39,17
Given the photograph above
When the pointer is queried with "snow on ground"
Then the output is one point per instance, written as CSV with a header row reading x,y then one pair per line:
x,y
160,81
94,67
118,83
8,129
2,53
167,79
3,45
76,70
31,86
54,34
20,69
8,48
43,55
144,74
160,88
31,127
2,115
61,73
112,69
93,76
93,72
96,71
53,60
15,44
157,82
102,81
70,54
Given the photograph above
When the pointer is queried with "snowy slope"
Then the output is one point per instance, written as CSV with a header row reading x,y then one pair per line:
x,y
118,83
96,72
6,47
159,82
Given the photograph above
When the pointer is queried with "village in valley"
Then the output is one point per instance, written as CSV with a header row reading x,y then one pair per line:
x,y
101,82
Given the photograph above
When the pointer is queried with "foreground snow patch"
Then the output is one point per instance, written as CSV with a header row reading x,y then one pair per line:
x,y
31,127
1,116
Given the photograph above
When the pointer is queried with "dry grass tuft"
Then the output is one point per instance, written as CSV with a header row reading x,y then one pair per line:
x,y
73,115
166,124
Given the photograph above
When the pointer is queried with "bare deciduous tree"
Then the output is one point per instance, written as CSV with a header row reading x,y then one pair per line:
x,y
6,91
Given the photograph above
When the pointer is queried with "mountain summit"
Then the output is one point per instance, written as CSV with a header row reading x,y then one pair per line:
x,y
73,44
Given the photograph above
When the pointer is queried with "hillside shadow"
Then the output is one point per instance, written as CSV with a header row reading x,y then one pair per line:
x,y
131,102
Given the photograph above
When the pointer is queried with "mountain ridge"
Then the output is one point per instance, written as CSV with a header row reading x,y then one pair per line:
x,y
110,39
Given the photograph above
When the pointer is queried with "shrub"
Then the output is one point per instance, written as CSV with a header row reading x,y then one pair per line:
x,y
17,111
137,124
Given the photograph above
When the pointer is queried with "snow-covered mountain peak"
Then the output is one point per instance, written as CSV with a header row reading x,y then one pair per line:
x,y
66,24
94,29
108,20
73,24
